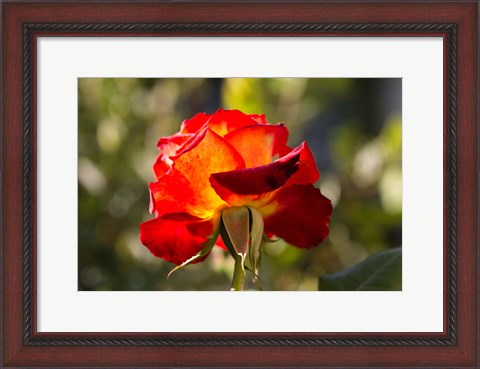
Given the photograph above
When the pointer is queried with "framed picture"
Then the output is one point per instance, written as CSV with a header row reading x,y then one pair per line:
x,y
322,157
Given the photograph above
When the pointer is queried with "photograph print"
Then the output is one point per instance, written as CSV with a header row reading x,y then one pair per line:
x,y
240,184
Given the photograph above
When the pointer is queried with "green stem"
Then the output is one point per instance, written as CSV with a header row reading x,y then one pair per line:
x,y
238,274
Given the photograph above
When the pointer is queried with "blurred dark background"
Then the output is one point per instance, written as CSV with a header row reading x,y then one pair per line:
x,y
353,126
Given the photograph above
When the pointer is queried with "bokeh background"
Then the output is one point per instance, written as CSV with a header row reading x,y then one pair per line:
x,y
353,127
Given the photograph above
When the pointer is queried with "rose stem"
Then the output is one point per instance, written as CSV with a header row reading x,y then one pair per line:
x,y
238,274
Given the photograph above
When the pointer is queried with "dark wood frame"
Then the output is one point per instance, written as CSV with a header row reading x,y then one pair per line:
x,y
456,22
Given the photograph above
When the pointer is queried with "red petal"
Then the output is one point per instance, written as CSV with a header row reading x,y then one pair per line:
x,y
170,144
258,144
223,122
168,147
193,124
299,214
220,243
161,165
175,241
186,187
259,118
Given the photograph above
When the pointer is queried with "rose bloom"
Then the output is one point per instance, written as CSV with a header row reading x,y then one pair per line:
x,y
231,159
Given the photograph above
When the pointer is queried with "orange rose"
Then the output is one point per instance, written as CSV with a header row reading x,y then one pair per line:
x,y
226,160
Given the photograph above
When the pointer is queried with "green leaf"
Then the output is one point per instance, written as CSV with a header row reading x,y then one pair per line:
x,y
378,272
208,247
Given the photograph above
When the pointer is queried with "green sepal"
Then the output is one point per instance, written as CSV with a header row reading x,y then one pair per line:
x,y
238,273
237,225
256,278
256,236
242,232
226,241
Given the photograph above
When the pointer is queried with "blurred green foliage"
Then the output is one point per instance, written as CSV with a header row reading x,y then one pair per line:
x,y
353,126
379,272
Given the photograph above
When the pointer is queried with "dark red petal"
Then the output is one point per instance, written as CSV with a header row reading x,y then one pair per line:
x,y
307,168
258,180
193,124
175,241
299,214
186,187
258,144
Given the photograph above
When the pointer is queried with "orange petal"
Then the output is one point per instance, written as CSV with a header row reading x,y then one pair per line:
x,y
299,214
175,240
186,187
260,143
